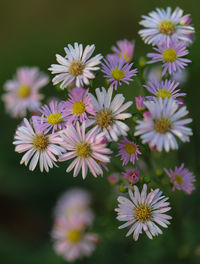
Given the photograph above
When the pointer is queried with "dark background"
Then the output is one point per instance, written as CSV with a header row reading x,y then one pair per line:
x,y
32,32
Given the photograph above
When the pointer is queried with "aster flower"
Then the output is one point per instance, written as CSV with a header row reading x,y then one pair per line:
x,y
164,24
113,178
164,89
71,241
74,206
118,71
124,48
143,212
22,93
132,175
170,54
86,148
182,179
109,113
140,103
53,118
78,106
76,66
38,147
128,151
164,122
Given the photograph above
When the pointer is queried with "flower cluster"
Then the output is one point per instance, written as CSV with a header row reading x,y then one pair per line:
x,y
73,216
98,130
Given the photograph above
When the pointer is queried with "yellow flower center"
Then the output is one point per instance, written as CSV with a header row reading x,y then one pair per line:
x,y
24,91
125,56
78,108
142,213
167,27
83,150
178,179
169,55
74,236
54,118
162,125
130,148
104,118
118,74
163,94
40,142
76,68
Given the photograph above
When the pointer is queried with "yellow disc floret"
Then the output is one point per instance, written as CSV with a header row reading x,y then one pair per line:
x,y
130,148
78,108
76,68
163,94
167,27
169,55
74,236
178,179
54,118
83,150
40,142
162,125
24,91
142,213
118,74
104,118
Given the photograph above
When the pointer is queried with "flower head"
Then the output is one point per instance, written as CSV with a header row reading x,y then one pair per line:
x,y
71,241
128,151
109,113
164,24
140,103
22,93
182,179
38,147
86,149
76,66
78,106
143,212
113,178
132,175
164,122
52,118
163,89
170,54
118,71
74,205
124,48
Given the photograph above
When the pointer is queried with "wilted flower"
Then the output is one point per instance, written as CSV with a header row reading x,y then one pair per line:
x,y
140,103
132,175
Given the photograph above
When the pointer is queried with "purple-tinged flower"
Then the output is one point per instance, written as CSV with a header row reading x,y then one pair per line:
x,y
38,147
170,54
163,124
71,241
78,106
113,178
164,25
143,212
185,20
74,205
164,89
182,179
132,175
128,151
53,118
110,113
118,71
124,48
86,149
22,93
140,103
76,66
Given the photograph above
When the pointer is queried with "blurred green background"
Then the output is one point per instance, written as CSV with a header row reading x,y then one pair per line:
x,y
32,32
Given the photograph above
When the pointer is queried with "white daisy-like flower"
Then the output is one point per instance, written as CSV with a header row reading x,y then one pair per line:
x,y
76,66
164,24
109,113
87,149
143,212
163,123
72,241
38,147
